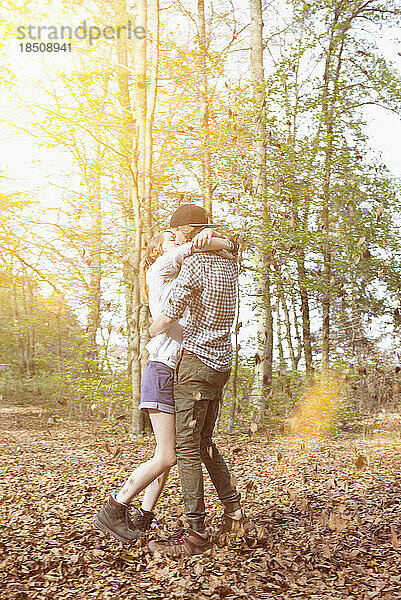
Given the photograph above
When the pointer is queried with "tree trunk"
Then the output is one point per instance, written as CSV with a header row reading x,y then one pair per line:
x,y
140,226
263,362
59,343
136,210
287,320
150,108
231,418
329,98
297,332
306,329
279,337
19,340
95,253
204,106
27,332
31,305
150,105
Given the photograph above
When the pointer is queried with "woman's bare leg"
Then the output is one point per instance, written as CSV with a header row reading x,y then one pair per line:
x,y
156,469
153,491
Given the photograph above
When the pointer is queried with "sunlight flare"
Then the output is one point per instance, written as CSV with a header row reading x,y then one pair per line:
x,y
319,407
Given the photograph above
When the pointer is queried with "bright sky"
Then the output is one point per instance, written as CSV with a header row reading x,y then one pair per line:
x,y
32,76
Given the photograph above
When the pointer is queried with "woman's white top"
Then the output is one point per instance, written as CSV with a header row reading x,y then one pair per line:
x,y
160,279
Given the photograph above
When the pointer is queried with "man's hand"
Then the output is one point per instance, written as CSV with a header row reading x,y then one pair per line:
x,y
159,325
203,238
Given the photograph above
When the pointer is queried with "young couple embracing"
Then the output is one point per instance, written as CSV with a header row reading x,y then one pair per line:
x,y
192,279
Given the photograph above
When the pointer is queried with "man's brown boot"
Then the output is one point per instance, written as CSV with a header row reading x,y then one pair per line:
x,y
184,542
243,525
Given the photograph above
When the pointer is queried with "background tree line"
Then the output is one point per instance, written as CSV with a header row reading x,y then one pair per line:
x,y
256,112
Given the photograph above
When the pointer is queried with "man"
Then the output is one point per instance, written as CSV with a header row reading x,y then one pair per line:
x,y
207,286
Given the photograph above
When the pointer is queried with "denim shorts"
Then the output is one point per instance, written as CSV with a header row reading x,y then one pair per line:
x,y
157,387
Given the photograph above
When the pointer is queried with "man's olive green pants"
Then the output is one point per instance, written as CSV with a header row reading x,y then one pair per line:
x,y
197,393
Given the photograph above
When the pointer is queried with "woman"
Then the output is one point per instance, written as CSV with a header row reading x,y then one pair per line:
x,y
161,264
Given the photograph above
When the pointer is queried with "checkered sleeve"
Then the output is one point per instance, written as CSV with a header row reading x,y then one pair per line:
x,y
169,264
186,288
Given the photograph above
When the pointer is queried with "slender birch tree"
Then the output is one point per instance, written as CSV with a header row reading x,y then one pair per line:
x,y
137,119
264,356
204,111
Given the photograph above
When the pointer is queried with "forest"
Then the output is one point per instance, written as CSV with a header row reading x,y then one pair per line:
x,y
260,112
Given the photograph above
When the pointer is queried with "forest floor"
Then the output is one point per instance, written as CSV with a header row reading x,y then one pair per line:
x,y
329,512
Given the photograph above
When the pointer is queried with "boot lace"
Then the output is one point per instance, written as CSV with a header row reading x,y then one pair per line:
x,y
177,535
141,521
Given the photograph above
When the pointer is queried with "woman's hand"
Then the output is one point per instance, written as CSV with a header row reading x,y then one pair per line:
x,y
160,325
203,238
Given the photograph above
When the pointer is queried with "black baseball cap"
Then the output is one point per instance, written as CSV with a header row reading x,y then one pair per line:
x,y
190,214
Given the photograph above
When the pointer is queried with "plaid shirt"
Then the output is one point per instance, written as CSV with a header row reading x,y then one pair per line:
x,y
207,285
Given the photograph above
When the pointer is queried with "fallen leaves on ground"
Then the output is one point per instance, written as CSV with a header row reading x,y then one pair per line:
x,y
328,516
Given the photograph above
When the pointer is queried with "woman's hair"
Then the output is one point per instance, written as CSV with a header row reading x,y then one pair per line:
x,y
154,249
